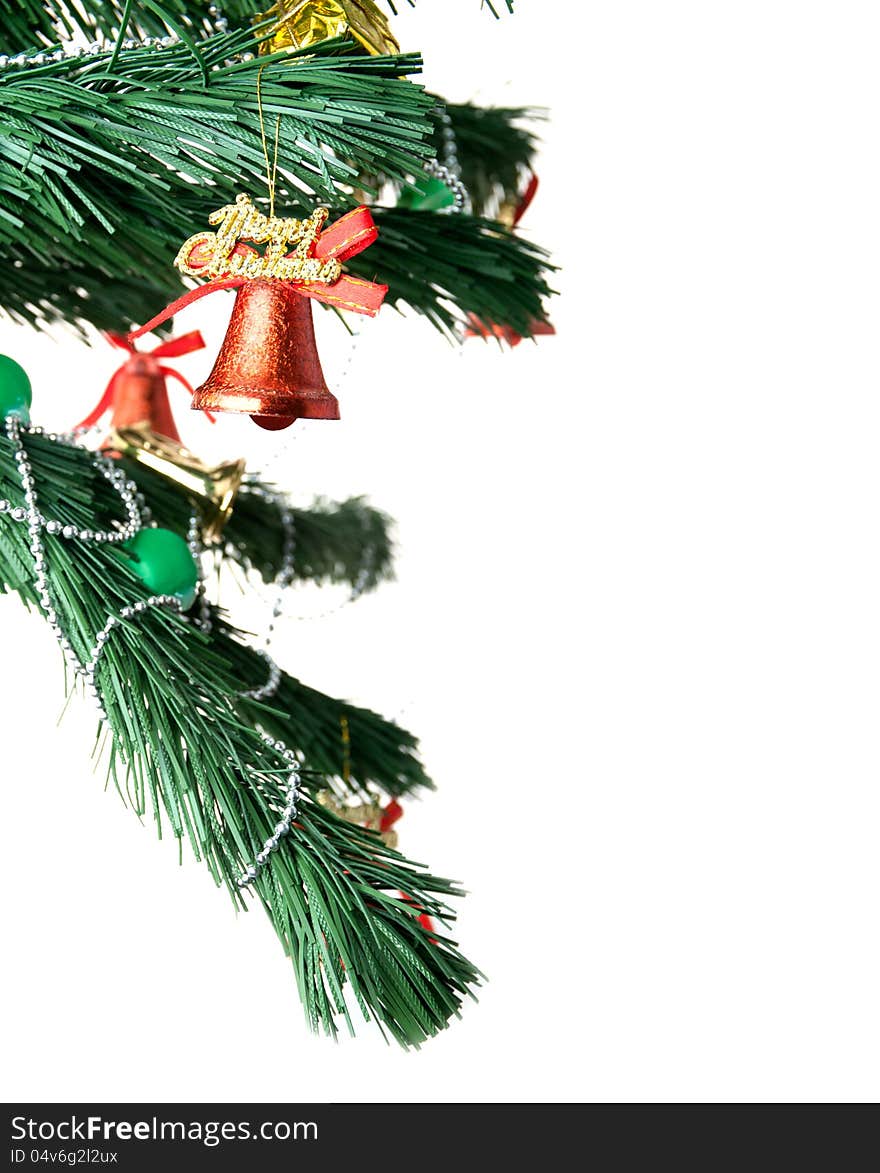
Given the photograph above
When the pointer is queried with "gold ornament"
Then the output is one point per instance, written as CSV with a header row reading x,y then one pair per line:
x,y
303,23
211,489
366,814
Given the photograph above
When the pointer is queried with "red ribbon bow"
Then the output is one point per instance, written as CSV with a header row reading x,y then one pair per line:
x,y
344,239
160,416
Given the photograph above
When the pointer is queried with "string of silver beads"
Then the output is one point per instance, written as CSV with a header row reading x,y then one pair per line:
x,y
459,191
133,611
448,168
127,491
197,549
69,51
450,145
265,691
360,585
37,523
282,827
87,671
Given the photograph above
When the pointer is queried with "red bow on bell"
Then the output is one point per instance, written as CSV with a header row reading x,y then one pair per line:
x,y
136,392
344,239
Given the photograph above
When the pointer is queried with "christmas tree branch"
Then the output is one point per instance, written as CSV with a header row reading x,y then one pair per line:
x,y
181,749
334,542
152,127
444,267
447,266
333,891
90,221
347,542
380,753
495,150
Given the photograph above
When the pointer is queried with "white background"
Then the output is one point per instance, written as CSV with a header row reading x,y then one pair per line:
x,y
635,622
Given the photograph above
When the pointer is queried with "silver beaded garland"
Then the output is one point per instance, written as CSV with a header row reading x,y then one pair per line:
x,y
197,549
37,522
459,191
87,672
264,691
127,490
69,51
288,814
448,169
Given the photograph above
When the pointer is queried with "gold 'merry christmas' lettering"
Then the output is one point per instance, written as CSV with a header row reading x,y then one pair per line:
x,y
216,254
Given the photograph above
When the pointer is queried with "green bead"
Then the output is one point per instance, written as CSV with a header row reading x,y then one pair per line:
x,y
163,561
427,194
15,390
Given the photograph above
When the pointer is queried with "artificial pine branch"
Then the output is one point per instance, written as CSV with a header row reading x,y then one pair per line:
x,y
380,755
152,127
445,266
347,542
181,749
495,148
96,191
336,542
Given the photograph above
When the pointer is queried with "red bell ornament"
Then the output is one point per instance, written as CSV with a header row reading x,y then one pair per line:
x,y
268,366
140,394
137,393
143,430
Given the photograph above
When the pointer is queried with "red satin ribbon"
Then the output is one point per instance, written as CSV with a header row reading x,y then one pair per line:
x,y
347,237
171,348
